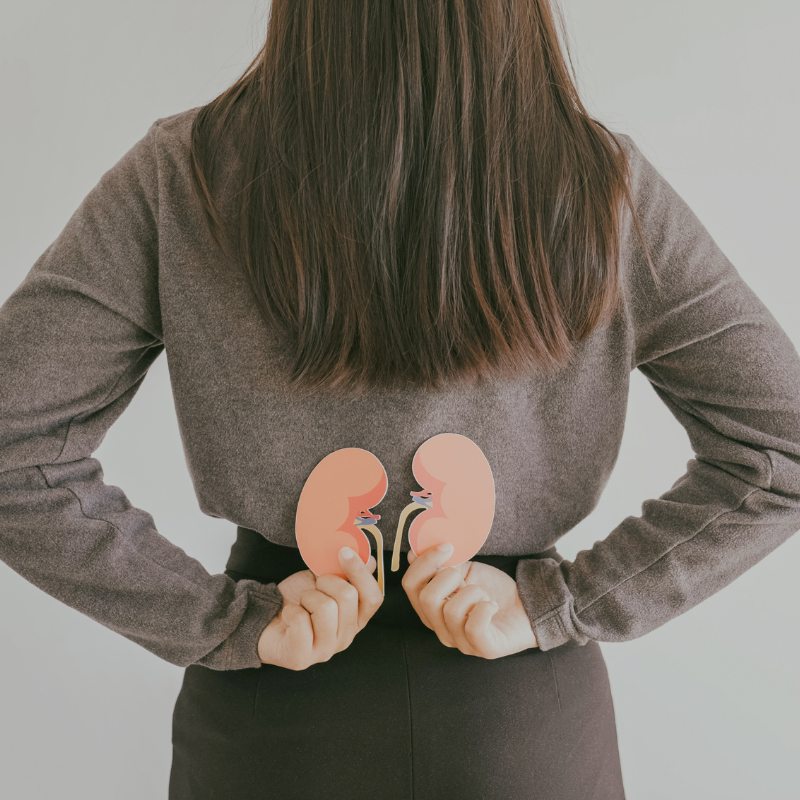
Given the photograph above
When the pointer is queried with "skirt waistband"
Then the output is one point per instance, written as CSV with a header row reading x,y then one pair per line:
x,y
254,556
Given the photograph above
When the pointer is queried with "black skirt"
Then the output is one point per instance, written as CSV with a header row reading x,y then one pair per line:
x,y
396,716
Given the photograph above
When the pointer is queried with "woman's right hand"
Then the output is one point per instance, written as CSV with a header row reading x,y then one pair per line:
x,y
320,615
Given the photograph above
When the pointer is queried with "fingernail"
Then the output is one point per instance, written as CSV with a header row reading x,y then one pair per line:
x,y
347,553
444,548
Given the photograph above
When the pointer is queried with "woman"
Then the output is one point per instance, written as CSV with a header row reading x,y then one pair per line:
x,y
401,221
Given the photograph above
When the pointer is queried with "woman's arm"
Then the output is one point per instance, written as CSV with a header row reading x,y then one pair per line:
x,y
725,368
77,337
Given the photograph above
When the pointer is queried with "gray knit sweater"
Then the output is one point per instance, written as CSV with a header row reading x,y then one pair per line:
x,y
134,272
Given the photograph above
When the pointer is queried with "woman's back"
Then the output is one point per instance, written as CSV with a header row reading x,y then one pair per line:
x,y
134,272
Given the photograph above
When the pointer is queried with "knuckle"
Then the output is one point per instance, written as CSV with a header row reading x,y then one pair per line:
x,y
308,595
453,613
349,593
328,605
451,607
481,649
444,638
377,597
469,630
425,594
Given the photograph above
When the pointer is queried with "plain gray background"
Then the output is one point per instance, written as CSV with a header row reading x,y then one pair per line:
x,y
707,705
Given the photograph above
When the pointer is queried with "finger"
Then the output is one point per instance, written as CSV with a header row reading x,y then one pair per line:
x,y
479,631
324,620
456,611
299,638
432,598
346,597
412,556
369,593
462,567
420,571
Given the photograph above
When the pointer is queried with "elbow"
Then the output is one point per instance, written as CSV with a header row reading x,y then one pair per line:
x,y
784,485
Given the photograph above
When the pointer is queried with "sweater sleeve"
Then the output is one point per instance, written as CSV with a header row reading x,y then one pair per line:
x,y
77,337
729,374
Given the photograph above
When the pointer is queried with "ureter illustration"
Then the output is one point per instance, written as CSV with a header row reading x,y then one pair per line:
x,y
379,552
419,504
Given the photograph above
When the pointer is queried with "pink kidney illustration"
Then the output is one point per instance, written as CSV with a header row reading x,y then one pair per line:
x,y
457,499
334,510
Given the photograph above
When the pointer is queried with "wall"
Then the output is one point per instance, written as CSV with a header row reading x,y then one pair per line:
x,y
707,705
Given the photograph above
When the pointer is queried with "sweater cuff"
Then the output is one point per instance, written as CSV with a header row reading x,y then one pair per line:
x,y
547,602
240,649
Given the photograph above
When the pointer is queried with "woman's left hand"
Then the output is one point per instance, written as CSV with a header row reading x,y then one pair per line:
x,y
473,606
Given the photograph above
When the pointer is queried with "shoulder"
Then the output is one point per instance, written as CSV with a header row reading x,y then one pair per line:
x,y
172,134
177,126
167,144
643,175
171,137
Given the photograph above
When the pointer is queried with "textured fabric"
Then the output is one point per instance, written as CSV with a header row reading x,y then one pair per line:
x,y
135,272
396,716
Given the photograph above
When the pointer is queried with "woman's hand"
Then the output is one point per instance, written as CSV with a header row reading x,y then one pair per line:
x,y
320,615
473,606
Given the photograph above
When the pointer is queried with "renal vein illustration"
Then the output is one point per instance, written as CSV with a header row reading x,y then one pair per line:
x,y
457,503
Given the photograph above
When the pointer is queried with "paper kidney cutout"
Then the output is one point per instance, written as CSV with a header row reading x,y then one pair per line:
x,y
334,507
458,499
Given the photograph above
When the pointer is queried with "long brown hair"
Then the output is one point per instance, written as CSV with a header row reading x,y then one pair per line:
x,y
422,197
